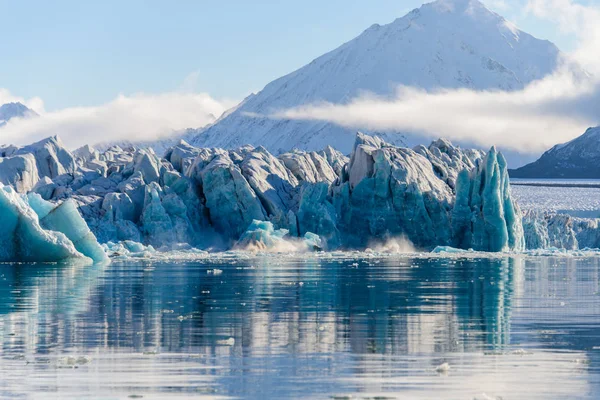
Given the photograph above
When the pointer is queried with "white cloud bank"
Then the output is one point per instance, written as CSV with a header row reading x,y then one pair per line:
x,y
550,111
139,117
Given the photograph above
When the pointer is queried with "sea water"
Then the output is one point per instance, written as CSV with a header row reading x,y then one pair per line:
x,y
312,327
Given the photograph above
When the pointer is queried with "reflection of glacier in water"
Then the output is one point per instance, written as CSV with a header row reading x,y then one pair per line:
x,y
277,327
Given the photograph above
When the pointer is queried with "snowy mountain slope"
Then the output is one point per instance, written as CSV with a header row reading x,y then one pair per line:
x,y
579,158
14,110
445,44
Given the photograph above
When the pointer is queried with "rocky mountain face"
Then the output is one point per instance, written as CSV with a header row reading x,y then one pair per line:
x,y
577,159
445,44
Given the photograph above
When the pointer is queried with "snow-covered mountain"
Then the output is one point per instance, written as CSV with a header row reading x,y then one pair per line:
x,y
14,110
579,158
445,44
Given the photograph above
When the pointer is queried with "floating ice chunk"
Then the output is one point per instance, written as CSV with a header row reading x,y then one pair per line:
x,y
22,236
442,368
521,352
65,218
262,236
215,271
447,249
226,342
73,361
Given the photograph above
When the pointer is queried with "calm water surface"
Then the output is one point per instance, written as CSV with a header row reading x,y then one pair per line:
x,y
282,328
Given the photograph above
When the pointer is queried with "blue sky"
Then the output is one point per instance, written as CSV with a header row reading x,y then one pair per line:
x,y
84,53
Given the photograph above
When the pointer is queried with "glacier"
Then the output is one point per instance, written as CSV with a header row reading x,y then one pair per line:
x,y
209,198
133,201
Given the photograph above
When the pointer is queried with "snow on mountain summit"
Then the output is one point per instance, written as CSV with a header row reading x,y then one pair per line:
x,y
14,110
445,44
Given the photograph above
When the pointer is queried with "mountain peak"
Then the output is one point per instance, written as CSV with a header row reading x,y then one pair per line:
x,y
459,6
446,44
15,110
577,159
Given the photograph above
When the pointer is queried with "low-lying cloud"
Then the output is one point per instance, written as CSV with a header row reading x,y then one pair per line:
x,y
549,111
139,117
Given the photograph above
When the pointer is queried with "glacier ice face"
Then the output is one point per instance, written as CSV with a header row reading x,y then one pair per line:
x,y
182,155
23,238
51,156
20,172
209,197
230,200
317,214
485,217
387,191
310,167
448,160
543,231
272,182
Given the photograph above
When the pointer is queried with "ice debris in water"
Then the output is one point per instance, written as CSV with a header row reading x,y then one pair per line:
x,y
215,271
398,245
262,236
521,352
72,361
226,342
442,368
447,249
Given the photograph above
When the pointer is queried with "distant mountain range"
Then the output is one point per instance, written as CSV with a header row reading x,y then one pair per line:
x,y
445,44
577,159
14,110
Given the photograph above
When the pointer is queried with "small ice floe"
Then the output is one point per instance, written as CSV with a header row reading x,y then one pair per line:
x,y
214,271
74,361
581,361
442,368
484,396
521,352
226,342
